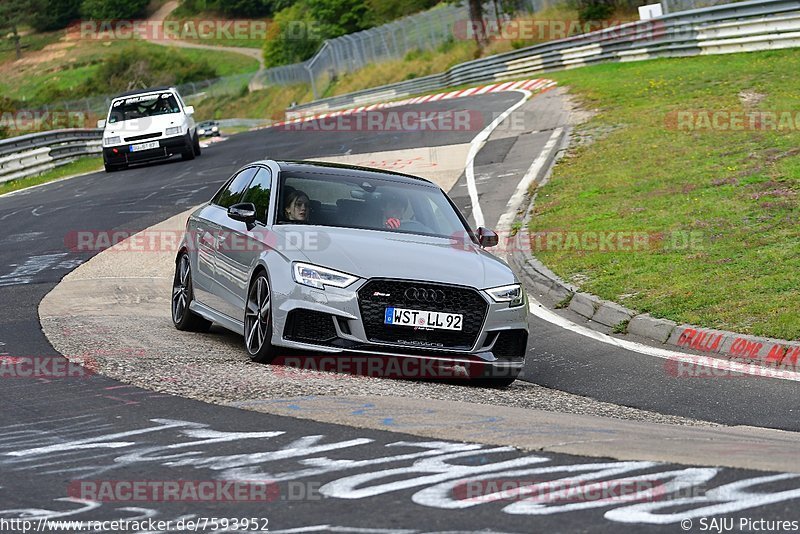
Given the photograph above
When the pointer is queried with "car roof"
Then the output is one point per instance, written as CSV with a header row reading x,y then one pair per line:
x,y
339,169
145,91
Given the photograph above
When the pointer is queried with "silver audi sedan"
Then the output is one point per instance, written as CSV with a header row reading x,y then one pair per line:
x,y
349,262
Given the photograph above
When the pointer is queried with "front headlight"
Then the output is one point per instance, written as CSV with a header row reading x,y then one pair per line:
x,y
201,132
513,294
214,129
108,141
319,277
175,130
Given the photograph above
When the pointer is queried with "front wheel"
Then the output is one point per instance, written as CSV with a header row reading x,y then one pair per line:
x,y
196,145
182,294
188,152
258,321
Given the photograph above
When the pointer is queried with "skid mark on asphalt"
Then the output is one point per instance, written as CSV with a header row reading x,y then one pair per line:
x,y
25,273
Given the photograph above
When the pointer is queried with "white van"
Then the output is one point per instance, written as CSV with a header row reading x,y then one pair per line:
x,y
146,125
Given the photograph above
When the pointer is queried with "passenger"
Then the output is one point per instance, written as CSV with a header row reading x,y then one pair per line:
x,y
298,206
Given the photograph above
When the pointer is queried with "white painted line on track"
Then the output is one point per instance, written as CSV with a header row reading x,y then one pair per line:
x,y
475,147
504,224
731,367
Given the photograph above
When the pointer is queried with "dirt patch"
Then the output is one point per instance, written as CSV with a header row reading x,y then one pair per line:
x,y
751,98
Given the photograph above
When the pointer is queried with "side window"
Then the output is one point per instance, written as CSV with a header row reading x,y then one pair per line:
x,y
258,193
230,195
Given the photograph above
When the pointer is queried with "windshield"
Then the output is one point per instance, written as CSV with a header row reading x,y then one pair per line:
x,y
136,107
374,204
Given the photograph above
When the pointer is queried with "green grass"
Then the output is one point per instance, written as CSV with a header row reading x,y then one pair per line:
x,y
736,192
82,59
79,166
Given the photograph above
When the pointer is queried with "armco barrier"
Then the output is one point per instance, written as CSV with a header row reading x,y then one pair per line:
x,y
33,154
739,27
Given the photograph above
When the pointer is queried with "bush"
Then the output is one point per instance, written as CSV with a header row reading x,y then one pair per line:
x,y
113,9
593,10
55,14
140,67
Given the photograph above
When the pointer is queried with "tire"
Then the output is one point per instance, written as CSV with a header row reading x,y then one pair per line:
x,y
182,295
188,153
196,145
258,321
110,168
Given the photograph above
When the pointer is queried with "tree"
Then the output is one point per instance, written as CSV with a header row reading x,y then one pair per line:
x,y
113,9
338,17
55,14
476,15
14,13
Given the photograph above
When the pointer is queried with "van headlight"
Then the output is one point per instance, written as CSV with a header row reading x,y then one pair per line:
x,y
319,277
513,294
108,141
175,130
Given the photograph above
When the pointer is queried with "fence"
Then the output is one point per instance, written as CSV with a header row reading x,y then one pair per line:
x,y
737,27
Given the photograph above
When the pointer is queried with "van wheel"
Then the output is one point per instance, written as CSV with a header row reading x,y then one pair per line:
x,y
188,153
196,145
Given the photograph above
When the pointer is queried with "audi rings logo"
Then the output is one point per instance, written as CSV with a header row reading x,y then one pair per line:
x,y
422,294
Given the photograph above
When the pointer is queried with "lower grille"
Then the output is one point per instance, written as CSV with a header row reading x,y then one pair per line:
x,y
510,344
143,136
309,325
377,295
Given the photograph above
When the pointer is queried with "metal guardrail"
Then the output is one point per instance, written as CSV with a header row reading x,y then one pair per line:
x,y
737,27
33,154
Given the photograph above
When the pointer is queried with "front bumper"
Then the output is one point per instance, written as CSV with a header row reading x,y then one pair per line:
x,y
337,321
167,147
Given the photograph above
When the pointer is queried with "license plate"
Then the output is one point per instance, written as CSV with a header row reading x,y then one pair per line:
x,y
144,146
423,319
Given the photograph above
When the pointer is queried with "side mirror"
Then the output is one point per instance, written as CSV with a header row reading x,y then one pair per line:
x,y
487,238
190,110
244,212
101,123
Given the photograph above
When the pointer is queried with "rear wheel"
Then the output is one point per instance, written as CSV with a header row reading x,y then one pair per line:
x,y
182,294
258,321
111,168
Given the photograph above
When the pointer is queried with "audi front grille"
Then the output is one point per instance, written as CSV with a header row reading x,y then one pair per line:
x,y
377,295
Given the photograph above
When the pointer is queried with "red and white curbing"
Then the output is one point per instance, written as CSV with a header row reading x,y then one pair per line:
x,y
539,84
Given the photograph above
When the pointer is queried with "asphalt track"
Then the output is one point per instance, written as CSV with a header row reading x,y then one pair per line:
x,y
95,428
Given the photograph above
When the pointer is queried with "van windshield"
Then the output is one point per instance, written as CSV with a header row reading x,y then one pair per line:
x,y
138,106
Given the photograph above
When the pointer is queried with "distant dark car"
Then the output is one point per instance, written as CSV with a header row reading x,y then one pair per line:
x,y
208,129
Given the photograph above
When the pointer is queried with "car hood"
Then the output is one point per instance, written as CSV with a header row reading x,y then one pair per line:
x,y
379,254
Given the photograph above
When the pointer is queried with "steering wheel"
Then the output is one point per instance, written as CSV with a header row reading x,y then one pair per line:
x,y
415,226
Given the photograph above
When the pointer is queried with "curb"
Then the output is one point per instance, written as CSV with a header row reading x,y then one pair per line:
x,y
541,281
537,84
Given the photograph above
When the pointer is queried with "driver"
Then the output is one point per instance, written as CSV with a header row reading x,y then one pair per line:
x,y
394,207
